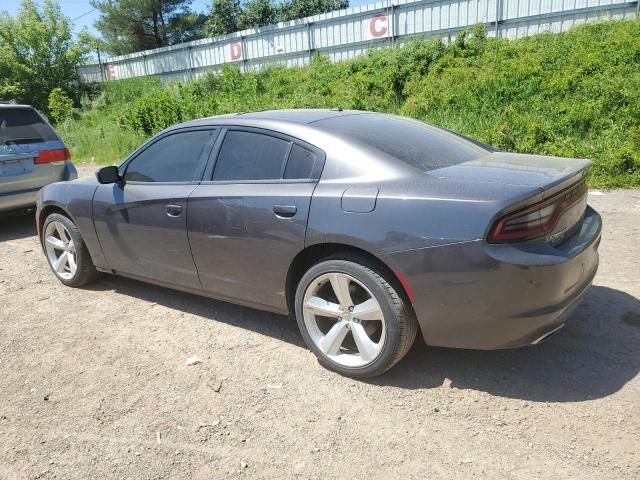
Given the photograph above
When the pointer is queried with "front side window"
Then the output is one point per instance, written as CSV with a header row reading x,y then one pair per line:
x,y
250,156
174,158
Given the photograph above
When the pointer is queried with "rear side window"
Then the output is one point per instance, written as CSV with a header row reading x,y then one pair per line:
x,y
250,156
174,158
418,144
300,164
24,125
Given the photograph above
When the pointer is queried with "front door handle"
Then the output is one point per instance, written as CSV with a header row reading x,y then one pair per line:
x,y
285,211
173,210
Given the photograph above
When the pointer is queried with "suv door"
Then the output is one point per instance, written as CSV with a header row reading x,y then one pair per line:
x,y
247,223
141,221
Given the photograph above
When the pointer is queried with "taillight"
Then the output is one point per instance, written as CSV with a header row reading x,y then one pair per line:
x,y
536,220
50,156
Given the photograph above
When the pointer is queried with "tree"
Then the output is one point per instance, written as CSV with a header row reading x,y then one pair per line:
x,y
293,9
224,17
133,25
257,13
229,16
38,54
185,27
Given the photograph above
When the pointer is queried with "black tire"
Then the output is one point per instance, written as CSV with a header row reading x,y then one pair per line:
x,y
400,322
86,271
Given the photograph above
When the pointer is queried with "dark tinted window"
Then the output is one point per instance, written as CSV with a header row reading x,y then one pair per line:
x,y
422,146
23,125
175,158
300,163
250,156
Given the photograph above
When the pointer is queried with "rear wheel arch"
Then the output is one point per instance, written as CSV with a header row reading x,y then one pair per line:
x,y
313,254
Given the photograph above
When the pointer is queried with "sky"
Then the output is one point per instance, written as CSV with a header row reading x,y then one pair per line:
x,y
83,14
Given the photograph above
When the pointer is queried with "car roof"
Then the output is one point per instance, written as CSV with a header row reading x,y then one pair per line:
x,y
293,116
14,105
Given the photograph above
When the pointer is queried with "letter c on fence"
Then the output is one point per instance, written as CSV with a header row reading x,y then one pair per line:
x,y
236,50
378,25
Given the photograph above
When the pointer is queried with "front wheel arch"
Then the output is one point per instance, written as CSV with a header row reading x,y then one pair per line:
x,y
48,210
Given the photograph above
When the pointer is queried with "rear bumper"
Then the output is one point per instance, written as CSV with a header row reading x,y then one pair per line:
x,y
18,200
26,197
482,296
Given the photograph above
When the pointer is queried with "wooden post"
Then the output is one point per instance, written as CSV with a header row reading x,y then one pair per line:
x,y
100,65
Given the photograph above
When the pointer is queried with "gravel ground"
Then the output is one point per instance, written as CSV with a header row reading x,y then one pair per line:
x,y
94,383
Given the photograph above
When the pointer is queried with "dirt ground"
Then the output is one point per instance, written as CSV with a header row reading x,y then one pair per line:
x,y
94,384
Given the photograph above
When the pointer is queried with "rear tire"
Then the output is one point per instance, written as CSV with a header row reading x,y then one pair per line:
x,y
66,252
358,334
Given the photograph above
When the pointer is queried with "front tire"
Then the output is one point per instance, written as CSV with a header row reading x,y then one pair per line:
x,y
66,252
353,318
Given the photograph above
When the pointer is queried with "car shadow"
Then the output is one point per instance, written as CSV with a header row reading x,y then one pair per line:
x,y
594,356
14,226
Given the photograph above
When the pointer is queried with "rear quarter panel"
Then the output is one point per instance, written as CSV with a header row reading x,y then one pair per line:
x,y
412,211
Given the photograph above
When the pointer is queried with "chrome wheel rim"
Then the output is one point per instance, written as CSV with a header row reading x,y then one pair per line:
x,y
344,319
61,251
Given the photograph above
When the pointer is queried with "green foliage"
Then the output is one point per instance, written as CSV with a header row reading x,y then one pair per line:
x,y
575,94
130,26
224,17
292,9
60,106
229,16
256,13
38,54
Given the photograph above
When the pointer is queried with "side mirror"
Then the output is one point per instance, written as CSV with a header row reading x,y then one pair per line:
x,y
108,174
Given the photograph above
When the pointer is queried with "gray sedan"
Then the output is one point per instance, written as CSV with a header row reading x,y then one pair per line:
x,y
31,156
368,228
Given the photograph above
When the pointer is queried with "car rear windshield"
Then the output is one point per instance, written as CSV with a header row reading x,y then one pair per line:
x,y
23,125
422,146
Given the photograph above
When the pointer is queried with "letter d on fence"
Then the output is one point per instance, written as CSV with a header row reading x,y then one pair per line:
x,y
235,49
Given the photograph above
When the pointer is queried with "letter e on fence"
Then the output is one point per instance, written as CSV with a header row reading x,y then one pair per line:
x,y
235,50
378,26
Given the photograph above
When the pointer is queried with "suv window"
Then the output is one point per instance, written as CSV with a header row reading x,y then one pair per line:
x,y
174,158
300,164
24,125
250,156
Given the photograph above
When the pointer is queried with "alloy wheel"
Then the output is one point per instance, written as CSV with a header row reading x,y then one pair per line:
x,y
344,319
61,250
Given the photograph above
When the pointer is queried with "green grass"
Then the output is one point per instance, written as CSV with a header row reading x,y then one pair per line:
x,y
575,94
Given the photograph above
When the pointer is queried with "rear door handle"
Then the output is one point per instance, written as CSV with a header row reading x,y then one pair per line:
x,y
285,211
173,210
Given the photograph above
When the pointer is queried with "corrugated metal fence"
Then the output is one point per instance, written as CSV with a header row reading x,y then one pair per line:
x,y
344,34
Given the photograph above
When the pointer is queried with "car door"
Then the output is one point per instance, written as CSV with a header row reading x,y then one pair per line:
x,y
248,218
141,221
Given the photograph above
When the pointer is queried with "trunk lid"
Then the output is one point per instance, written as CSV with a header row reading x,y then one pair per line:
x,y
24,133
554,209
536,171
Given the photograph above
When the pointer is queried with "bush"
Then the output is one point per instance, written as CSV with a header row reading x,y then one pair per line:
x,y
60,106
